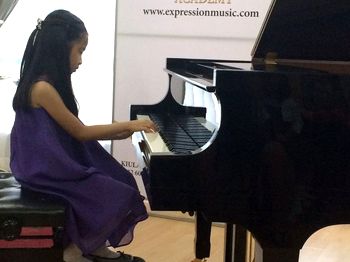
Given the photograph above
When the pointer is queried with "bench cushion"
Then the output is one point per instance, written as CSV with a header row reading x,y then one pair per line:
x,y
21,207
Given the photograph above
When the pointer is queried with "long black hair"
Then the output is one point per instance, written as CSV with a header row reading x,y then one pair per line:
x,y
47,57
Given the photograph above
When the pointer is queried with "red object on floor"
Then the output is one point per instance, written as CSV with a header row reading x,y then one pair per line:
x,y
36,231
27,238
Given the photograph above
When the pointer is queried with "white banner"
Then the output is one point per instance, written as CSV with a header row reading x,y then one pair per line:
x,y
149,31
201,18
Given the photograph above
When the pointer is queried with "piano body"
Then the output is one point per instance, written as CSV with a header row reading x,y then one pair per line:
x,y
263,144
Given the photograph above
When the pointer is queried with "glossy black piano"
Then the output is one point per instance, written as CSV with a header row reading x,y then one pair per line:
x,y
264,144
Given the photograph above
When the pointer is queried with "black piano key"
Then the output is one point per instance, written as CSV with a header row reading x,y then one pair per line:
x,y
181,133
204,136
184,149
178,137
182,143
200,142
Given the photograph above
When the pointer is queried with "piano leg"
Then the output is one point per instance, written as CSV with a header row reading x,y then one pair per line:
x,y
235,240
280,255
202,237
235,243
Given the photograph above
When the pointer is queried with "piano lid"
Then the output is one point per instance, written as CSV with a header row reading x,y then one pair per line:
x,y
305,30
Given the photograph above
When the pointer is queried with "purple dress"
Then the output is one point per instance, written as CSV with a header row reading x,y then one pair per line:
x,y
103,199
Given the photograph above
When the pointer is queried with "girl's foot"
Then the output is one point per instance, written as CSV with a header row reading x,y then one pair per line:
x,y
104,253
120,258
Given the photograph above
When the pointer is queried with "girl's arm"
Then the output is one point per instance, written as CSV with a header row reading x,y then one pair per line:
x,y
45,95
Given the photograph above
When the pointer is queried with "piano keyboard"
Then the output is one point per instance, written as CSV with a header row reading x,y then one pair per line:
x,y
180,134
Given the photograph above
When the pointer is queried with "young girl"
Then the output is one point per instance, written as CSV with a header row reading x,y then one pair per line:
x,y
52,151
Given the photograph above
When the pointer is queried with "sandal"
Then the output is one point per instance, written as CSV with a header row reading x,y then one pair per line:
x,y
122,258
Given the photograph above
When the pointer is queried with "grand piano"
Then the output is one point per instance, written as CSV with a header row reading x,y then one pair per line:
x,y
261,144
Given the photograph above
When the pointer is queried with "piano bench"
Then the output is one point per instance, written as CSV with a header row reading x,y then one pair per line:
x,y
31,224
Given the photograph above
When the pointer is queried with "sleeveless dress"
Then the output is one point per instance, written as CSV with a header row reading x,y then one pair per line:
x,y
103,201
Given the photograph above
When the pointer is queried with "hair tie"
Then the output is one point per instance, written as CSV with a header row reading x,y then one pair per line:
x,y
38,28
39,24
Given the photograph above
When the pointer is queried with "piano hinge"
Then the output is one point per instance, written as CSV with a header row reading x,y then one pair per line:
x,y
271,58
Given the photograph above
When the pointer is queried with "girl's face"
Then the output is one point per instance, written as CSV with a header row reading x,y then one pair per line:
x,y
76,52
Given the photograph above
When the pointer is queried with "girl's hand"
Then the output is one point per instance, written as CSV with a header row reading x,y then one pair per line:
x,y
144,125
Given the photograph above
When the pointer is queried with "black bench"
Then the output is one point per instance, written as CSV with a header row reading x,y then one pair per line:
x,y
31,224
